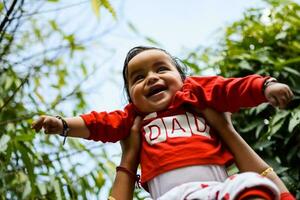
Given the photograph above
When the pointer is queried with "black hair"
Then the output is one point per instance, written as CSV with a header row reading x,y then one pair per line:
x,y
182,69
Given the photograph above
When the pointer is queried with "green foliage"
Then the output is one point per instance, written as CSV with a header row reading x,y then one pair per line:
x,y
39,67
266,42
97,4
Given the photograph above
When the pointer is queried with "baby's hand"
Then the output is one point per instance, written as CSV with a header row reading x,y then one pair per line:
x,y
51,125
278,94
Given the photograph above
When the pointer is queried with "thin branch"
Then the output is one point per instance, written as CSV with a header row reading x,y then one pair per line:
x,y
6,18
83,41
15,91
29,116
68,155
41,162
25,117
53,10
11,39
76,88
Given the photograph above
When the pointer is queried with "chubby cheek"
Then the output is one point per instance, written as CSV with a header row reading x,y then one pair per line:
x,y
176,85
136,95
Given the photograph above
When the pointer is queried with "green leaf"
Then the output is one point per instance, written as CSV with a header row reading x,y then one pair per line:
x,y
279,115
38,34
3,142
27,190
245,65
292,71
83,69
42,188
28,162
193,66
96,7
25,137
274,128
294,120
1,6
251,126
100,180
109,7
41,98
263,144
54,25
133,28
8,83
56,187
152,41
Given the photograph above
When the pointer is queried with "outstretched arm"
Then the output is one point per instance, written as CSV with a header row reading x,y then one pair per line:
x,y
246,158
53,125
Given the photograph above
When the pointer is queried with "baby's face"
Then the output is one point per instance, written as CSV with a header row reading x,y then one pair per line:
x,y
153,80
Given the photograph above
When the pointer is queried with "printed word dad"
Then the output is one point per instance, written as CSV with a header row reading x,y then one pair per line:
x,y
184,125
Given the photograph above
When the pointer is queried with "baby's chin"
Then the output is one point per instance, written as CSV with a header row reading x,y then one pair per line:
x,y
154,108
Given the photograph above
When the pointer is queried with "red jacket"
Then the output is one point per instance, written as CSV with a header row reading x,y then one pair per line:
x,y
177,136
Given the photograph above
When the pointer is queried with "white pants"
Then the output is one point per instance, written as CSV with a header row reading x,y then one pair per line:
x,y
212,190
168,180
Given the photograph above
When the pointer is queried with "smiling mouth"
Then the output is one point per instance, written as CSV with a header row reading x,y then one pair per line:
x,y
156,90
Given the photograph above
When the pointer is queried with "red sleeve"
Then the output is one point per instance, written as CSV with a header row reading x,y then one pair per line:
x,y
109,127
227,94
286,196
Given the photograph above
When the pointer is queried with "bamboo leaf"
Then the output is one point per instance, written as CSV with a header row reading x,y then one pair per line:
x,y
4,142
133,28
292,71
1,6
294,120
25,137
96,7
41,98
109,7
42,188
56,187
27,190
83,69
100,181
152,41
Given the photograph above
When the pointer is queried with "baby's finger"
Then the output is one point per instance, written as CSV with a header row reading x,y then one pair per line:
x,y
290,95
282,101
38,124
273,101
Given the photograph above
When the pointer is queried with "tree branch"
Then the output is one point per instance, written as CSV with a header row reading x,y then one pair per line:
x,y
10,40
6,18
15,91
53,10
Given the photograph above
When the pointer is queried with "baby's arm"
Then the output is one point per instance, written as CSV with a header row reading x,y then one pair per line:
x,y
53,125
231,94
246,158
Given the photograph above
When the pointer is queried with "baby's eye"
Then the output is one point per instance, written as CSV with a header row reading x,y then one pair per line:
x,y
138,78
162,69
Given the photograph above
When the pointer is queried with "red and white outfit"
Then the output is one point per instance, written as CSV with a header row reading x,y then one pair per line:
x,y
232,188
179,137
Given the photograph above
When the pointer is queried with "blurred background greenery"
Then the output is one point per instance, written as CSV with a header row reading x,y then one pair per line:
x,y
42,70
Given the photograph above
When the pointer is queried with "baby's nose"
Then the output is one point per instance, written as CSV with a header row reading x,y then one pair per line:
x,y
152,78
